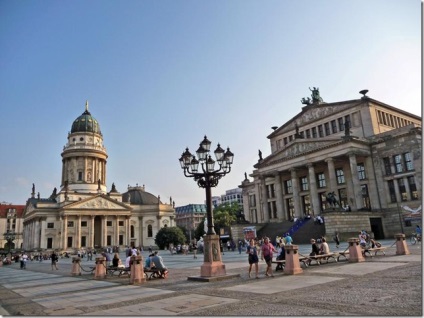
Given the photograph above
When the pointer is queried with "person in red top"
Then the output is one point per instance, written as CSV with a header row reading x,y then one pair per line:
x,y
267,249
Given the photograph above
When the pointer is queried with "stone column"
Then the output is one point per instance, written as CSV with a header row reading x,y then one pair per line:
x,y
279,197
264,201
78,234
259,209
65,232
116,239
91,235
292,260
401,246
104,231
356,187
331,174
140,232
313,191
37,234
355,251
137,270
296,198
43,241
398,196
128,227
373,187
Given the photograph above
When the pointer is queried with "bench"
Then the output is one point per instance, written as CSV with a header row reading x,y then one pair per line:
x,y
154,273
376,250
322,257
342,254
120,270
280,263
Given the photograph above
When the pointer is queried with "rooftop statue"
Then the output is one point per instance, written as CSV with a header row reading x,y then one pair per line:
x,y
316,98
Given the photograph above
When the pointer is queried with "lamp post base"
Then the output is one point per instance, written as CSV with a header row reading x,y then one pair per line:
x,y
212,264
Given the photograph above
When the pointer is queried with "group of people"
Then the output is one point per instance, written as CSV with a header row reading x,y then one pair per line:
x,y
265,251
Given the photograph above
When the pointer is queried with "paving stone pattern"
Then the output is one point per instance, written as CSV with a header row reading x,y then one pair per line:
x,y
388,285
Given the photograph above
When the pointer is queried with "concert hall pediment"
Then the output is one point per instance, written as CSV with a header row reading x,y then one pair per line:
x,y
98,203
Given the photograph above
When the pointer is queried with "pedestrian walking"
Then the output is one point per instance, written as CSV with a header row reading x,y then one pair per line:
x,y
54,258
336,239
267,250
253,258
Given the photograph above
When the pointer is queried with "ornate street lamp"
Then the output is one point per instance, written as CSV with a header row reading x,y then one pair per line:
x,y
9,237
207,178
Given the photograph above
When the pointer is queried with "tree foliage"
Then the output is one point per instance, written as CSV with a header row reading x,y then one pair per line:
x,y
169,235
225,215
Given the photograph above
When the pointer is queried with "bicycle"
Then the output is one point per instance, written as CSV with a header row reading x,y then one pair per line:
x,y
415,238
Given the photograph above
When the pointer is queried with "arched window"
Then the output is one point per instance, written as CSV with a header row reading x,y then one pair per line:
x,y
132,230
149,230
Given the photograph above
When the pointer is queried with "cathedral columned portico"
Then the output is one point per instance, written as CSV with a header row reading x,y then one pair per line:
x,y
83,214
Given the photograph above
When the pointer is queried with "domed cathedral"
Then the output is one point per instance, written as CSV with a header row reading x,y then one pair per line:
x,y
83,214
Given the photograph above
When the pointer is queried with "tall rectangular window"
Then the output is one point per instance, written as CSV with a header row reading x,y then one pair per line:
x,y
334,126
413,188
407,157
304,184
341,123
392,191
340,176
306,205
361,171
290,208
83,241
387,168
327,129
270,191
398,163
343,197
49,242
314,132
308,133
289,187
252,200
321,180
402,189
320,131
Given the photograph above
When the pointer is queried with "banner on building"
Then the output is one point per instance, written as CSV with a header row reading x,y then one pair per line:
x,y
249,232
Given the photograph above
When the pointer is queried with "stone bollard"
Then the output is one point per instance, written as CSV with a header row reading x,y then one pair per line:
x,y
401,247
100,271
137,270
355,251
292,266
76,268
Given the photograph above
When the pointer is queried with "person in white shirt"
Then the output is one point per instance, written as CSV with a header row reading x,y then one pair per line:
x,y
325,249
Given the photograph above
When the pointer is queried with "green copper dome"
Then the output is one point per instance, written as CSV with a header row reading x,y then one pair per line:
x,y
86,123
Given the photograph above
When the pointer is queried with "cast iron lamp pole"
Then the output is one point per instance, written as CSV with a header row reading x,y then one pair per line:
x,y
208,177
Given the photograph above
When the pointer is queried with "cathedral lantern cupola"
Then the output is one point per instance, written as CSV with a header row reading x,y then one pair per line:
x,y
84,156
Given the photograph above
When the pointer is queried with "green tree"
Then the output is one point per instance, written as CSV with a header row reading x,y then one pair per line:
x,y
225,215
169,235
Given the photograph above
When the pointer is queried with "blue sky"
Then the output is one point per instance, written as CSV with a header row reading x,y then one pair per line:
x,y
159,75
